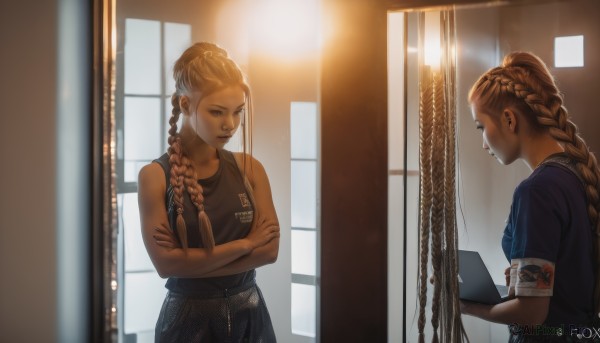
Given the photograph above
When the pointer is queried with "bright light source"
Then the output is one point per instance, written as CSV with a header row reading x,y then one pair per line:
x,y
568,51
432,43
286,28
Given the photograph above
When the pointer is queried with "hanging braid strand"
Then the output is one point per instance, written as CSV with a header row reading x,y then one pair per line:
x,y
177,169
425,136
196,194
438,238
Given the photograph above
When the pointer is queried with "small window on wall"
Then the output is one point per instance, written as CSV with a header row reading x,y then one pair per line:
x,y
568,51
304,200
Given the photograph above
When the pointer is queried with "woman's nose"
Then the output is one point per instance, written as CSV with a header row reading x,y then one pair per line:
x,y
228,123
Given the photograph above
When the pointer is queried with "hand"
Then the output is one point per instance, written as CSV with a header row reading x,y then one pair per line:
x,y
165,238
262,231
507,276
465,306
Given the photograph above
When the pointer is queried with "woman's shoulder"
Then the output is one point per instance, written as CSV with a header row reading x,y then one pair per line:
x,y
156,169
245,159
550,178
551,173
163,160
152,176
250,166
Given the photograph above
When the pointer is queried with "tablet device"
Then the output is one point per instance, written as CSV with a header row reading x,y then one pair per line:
x,y
475,282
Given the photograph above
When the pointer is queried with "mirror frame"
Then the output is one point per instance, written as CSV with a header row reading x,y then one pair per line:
x,y
417,5
104,314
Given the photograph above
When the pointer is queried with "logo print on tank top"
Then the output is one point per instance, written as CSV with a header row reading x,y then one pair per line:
x,y
244,217
244,200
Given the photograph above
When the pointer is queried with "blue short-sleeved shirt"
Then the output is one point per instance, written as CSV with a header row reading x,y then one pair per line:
x,y
548,222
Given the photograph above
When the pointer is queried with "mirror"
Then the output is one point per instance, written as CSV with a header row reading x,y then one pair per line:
x,y
484,34
277,46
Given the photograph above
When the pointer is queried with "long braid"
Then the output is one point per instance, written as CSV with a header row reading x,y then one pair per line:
x,y
527,79
437,205
425,135
177,169
438,238
196,194
453,330
183,177
202,69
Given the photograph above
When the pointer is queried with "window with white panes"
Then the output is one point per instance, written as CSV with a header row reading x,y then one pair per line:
x,y
143,108
304,214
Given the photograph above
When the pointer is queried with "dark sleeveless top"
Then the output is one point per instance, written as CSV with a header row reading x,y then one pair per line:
x,y
230,211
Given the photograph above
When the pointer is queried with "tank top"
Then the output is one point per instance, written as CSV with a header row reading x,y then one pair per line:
x,y
230,211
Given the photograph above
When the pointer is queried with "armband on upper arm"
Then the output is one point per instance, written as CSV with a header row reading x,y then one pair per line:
x,y
531,277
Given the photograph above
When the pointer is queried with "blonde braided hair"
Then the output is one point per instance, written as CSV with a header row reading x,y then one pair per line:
x,y
437,220
426,191
524,82
205,68
437,206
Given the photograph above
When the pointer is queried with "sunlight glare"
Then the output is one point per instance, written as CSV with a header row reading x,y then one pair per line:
x,y
432,40
286,28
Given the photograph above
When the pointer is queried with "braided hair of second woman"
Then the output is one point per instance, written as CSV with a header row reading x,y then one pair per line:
x,y
524,81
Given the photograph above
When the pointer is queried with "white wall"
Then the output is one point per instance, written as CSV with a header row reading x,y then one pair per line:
x,y
275,85
395,179
27,146
485,186
43,84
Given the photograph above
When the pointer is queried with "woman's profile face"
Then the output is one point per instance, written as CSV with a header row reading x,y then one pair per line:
x,y
218,115
498,141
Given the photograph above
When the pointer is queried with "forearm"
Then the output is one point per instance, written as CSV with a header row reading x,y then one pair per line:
x,y
515,311
259,257
198,262
487,312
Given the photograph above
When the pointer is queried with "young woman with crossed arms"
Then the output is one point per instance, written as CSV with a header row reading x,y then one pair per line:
x,y
207,214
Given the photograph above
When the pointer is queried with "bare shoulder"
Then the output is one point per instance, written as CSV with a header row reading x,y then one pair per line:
x,y
152,177
253,165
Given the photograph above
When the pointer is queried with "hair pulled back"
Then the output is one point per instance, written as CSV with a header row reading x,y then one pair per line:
x,y
524,82
202,68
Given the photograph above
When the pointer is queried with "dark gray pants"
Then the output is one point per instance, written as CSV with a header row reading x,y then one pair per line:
x,y
239,317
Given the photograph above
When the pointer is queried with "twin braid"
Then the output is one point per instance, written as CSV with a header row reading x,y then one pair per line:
x,y
202,68
537,89
438,180
182,178
426,193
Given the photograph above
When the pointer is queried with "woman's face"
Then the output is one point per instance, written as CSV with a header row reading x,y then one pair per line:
x,y
498,139
218,115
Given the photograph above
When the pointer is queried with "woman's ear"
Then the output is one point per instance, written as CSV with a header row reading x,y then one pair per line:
x,y
509,119
184,104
